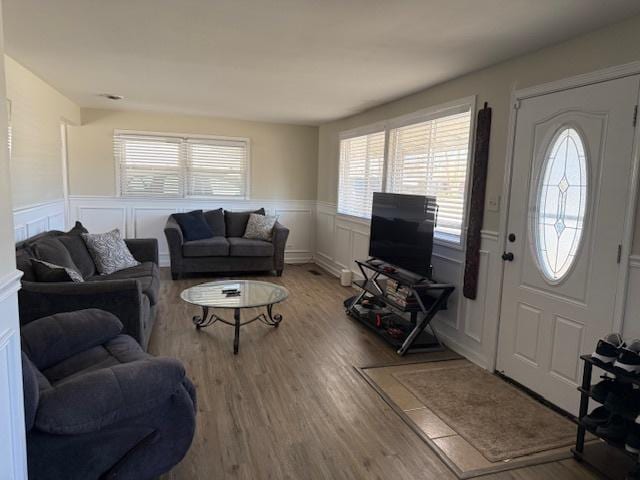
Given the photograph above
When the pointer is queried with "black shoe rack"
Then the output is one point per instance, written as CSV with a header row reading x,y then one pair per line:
x,y
412,320
611,459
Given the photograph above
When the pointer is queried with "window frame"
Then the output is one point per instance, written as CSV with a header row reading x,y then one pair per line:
x,y
419,116
185,137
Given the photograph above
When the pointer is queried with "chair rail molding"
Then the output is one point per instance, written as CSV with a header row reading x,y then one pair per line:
x,y
146,218
12,449
33,219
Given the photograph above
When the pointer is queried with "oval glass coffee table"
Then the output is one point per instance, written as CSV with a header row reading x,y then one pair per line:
x,y
235,295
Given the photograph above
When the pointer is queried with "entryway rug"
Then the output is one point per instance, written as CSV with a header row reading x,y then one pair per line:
x,y
476,422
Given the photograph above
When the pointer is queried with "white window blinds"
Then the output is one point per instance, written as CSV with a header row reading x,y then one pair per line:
x,y
171,166
361,169
431,158
216,168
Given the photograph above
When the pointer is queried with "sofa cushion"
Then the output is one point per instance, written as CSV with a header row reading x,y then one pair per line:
x,y
23,263
52,250
245,247
79,254
193,225
236,222
146,273
209,247
215,220
48,272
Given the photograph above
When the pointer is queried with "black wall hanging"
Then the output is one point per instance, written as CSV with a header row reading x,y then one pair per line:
x,y
476,205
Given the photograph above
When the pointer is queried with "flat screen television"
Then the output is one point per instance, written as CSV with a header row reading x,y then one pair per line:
x,y
402,231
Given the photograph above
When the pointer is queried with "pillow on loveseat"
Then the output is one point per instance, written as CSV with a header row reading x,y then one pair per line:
x,y
193,225
260,227
109,251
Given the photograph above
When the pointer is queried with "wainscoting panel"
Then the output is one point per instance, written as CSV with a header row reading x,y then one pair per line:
x,y
145,218
467,326
631,322
35,219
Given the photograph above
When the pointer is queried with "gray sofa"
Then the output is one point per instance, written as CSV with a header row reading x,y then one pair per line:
x,y
130,294
97,406
226,251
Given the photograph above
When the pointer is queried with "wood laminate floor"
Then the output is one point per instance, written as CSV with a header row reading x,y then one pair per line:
x,y
290,405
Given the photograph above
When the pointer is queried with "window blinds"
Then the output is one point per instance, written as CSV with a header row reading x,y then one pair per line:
x,y
431,158
361,169
168,166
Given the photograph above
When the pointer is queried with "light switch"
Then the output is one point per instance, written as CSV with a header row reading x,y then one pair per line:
x,y
493,203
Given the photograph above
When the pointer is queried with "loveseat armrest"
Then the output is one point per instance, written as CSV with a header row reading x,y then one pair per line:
x,y
279,240
143,249
89,402
122,297
175,239
52,339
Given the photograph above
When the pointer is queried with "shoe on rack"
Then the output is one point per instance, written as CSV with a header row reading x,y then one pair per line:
x,y
599,416
634,474
628,360
600,391
632,442
624,401
615,430
608,348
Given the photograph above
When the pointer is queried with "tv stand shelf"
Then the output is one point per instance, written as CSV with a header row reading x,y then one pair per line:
x,y
430,298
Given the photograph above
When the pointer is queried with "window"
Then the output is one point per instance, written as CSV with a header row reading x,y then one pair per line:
x,y
361,163
427,154
561,204
175,166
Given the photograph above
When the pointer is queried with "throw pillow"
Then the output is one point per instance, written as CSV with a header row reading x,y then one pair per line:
x,y
49,272
52,250
215,219
109,252
77,229
193,225
260,227
236,222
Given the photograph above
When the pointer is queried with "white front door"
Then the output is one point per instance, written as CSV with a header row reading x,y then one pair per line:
x,y
569,192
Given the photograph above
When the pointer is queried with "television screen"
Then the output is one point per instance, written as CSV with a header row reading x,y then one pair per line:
x,y
402,231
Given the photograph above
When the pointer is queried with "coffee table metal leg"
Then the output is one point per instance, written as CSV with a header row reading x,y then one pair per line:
x,y
236,340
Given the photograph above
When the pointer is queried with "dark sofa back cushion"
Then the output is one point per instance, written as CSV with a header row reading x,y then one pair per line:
x,y
215,220
23,263
52,250
236,222
79,254
193,225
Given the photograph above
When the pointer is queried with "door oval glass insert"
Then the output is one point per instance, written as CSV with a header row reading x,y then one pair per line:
x,y
560,204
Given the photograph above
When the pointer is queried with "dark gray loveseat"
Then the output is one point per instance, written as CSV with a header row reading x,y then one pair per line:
x,y
97,406
226,251
130,294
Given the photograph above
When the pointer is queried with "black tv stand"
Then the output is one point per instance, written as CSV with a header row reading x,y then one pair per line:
x,y
430,298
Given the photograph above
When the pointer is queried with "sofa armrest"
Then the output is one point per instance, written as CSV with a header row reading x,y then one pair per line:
x,y
279,240
175,240
123,298
91,401
143,249
52,339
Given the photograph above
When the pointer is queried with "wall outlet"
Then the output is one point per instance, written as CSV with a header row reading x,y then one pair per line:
x,y
493,203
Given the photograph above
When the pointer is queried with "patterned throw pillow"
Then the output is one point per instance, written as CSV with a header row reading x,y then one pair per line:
x,y
260,227
50,272
109,251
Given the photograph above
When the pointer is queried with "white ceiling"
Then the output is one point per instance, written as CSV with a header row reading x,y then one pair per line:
x,y
297,61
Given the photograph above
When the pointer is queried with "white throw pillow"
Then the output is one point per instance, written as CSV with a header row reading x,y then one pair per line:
x,y
260,227
109,252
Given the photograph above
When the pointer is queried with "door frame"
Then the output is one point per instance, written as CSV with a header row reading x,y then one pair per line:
x,y
599,76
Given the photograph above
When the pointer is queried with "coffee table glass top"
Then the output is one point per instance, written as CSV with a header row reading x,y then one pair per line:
x,y
253,293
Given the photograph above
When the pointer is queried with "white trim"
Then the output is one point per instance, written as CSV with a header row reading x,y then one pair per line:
x,y
9,284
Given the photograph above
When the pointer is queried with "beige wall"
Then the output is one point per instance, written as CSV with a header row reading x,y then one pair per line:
x,y
36,159
7,245
283,157
614,45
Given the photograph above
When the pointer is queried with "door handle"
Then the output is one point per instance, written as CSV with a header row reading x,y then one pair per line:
x,y
507,257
